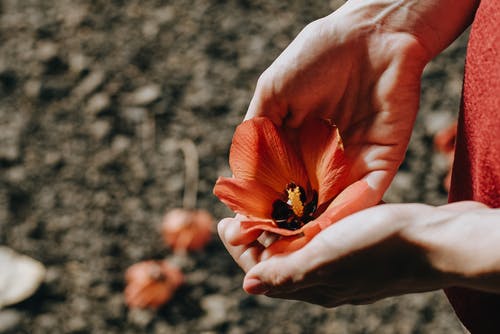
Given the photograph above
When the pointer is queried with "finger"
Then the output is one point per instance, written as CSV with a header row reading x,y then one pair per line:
x,y
249,256
231,234
287,272
326,296
313,295
246,255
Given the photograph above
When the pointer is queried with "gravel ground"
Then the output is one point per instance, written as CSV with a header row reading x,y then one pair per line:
x,y
94,96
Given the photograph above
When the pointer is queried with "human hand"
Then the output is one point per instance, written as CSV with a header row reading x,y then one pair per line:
x,y
336,69
366,80
385,251
361,68
375,94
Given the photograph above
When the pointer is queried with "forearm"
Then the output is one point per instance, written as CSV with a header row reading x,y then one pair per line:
x,y
464,248
434,23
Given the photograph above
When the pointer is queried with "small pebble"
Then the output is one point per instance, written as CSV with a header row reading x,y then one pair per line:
x,y
9,320
46,51
120,144
77,62
97,103
89,84
76,324
134,114
22,278
216,308
100,129
115,307
144,95
140,317
32,88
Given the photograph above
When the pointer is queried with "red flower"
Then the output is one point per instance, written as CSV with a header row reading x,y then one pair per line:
x,y
151,283
187,229
290,182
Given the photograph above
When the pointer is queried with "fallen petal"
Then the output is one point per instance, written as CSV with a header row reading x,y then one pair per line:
x,y
185,230
151,284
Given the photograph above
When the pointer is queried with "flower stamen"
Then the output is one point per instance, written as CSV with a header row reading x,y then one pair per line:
x,y
295,208
294,199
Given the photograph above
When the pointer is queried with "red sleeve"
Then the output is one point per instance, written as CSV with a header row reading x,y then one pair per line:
x,y
476,170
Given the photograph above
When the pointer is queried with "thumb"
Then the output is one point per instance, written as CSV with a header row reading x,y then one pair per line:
x,y
283,272
271,274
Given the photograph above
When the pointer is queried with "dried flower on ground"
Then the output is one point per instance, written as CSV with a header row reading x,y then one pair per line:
x,y
151,284
187,230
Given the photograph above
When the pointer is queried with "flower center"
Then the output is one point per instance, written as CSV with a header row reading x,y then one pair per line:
x,y
294,200
294,210
156,274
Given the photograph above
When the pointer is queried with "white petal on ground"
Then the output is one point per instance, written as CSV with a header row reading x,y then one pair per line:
x,y
20,276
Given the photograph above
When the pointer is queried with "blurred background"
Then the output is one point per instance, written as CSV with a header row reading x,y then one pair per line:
x,y
94,96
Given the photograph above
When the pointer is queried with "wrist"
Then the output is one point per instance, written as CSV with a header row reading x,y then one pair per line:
x,y
461,246
375,30
433,23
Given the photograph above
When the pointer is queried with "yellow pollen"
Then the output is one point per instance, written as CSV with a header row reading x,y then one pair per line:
x,y
295,202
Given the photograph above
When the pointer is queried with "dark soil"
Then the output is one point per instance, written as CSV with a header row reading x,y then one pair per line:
x,y
93,97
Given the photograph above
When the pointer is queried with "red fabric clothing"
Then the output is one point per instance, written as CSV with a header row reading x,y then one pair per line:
x,y
476,171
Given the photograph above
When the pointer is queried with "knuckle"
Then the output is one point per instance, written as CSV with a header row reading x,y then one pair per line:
x,y
246,260
265,87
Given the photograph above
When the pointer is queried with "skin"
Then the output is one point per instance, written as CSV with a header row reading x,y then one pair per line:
x,y
361,66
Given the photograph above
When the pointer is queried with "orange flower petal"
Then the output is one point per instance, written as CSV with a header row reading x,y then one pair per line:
x,y
245,237
260,151
247,197
248,226
287,245
323,156
356,197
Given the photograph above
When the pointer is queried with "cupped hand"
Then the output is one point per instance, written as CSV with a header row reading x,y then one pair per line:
x,y
361,68
383,251
363,77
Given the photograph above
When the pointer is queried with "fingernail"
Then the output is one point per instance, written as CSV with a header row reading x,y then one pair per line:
x,y
255,286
